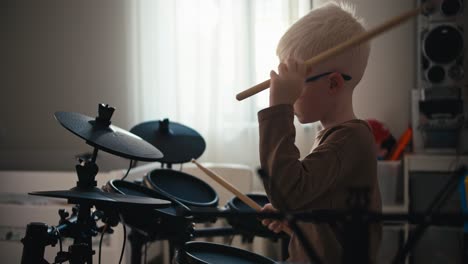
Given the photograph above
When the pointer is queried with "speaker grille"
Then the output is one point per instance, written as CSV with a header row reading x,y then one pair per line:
x,y
443,44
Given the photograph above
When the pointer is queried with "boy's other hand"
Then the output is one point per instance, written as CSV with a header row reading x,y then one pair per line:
x,y
275,225
286,85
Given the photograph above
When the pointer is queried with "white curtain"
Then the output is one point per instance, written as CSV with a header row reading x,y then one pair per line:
x,y
193,56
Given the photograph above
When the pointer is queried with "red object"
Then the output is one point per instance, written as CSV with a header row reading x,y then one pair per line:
x,y
379,130
402,143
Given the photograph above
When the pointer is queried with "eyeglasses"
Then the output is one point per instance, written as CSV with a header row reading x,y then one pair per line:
x,y
316,77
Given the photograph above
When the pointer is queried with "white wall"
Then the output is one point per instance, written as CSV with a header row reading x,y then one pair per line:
x,y
59,56
72,55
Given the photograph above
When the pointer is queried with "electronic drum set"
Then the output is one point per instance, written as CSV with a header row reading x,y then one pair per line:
x,y
158,207
166,204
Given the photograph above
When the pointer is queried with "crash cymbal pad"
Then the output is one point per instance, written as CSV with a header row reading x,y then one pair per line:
x,y
99,133
179,143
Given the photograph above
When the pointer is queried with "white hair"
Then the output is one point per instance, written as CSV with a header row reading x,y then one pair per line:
x,y
322,29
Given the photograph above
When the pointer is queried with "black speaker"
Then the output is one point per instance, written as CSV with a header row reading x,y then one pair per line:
x,y
441,81
441,49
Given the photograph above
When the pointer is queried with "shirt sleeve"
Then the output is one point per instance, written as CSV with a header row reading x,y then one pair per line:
x,y
293,184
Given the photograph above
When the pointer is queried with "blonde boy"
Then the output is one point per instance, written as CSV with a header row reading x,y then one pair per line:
x,y
343,155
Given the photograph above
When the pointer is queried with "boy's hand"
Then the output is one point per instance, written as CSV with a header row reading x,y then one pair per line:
x,y
275,225
287,86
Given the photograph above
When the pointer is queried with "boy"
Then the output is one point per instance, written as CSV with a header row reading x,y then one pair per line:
x,y
343,155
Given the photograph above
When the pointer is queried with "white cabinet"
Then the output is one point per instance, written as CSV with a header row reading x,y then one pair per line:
x,y
392,185
424,176
411,184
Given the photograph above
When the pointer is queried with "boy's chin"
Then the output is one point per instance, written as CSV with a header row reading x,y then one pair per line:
x,y
304,120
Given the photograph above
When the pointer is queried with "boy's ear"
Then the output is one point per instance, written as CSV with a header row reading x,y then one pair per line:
x,y
336,82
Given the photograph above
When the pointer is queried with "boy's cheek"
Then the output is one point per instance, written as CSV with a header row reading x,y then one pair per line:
x,y
297,105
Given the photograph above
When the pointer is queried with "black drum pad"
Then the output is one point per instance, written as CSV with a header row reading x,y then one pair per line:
x,y
183,187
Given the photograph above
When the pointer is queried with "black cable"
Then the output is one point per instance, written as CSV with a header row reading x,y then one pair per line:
x,y
129,168
441,197
146,251
124,238
134,164
100,242
231,239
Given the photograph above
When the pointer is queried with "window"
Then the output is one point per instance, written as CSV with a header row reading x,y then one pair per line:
x,y
192,57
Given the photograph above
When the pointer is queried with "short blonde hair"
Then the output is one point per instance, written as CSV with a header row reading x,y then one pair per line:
x,y
322,29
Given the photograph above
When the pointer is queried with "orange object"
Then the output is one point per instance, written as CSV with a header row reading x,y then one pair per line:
x,y
402,143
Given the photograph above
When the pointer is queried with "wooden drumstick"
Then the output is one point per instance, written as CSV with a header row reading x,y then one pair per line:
x,y
228,186
352,42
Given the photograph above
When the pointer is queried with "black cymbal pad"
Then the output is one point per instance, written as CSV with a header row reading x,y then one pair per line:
x,y
98,197
179,143
108,138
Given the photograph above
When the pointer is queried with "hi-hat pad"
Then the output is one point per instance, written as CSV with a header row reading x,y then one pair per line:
x,y
99,133
179,143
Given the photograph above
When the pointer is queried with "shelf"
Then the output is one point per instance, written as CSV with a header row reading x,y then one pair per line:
x,y
395,209
428,162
